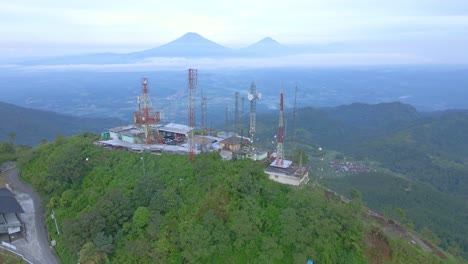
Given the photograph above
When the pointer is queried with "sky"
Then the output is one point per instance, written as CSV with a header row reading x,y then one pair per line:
x,y
433,31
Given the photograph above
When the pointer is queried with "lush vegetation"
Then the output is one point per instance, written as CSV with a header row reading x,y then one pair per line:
x,y
430,149
436,215
125,207
7,152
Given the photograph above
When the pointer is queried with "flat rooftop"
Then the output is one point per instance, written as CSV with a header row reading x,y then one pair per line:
x,y
285,171
175,128
143,147
286,164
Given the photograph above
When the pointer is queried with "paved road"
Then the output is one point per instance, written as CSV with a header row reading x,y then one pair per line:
x,y
36,244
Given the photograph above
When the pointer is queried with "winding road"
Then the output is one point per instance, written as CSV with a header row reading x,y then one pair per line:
x,y
36,245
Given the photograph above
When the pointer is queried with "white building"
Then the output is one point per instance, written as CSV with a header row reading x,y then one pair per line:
x,y
287,173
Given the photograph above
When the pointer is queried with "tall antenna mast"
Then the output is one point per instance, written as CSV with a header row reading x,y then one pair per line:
x,y
279,148
145,116
226,120
294,118
203,112
236,113
253,96
242,118
192,83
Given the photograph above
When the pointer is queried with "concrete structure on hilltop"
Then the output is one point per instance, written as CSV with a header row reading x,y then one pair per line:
x,y
148,135
288,173
234,144
136,135
175,131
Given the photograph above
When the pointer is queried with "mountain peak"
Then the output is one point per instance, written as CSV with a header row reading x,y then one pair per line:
x,y
190,36
191,44
269,41
266,47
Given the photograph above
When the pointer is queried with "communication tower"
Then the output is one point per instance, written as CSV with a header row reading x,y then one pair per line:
x,y
236,113
253,96
294,118
145,116
279,148
192,83
203,113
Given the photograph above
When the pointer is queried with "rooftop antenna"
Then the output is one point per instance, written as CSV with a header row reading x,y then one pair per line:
x,y
145,116
192,83
253,96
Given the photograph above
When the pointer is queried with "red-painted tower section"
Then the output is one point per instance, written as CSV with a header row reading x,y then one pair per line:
x,y
192,83
145,116
279,148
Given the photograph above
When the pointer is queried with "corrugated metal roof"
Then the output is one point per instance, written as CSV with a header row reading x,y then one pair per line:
x,y
175,128
8,203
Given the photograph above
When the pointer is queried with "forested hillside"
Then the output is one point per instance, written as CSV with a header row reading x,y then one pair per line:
x,y
31,126
124,207
430,150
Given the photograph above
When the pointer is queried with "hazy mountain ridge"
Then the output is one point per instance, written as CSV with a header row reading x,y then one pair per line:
x,y
190,45
30,126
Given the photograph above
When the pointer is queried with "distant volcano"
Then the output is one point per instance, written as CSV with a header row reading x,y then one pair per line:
x,y
266,47
189,45
267,42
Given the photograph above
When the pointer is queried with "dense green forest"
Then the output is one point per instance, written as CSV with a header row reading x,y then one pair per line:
x,y
31,126
429,149
435,214
125,207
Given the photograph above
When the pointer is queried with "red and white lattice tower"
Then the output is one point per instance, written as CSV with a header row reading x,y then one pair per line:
x,y
279,148
192,83
145,116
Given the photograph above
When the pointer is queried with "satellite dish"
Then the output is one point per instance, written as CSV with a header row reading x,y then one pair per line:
x,y
250,96
259,95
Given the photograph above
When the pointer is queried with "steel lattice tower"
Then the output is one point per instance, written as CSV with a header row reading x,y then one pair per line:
x,y
192,83
236,113
203,113
253,96
145,116
279,148
226,119
294,118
